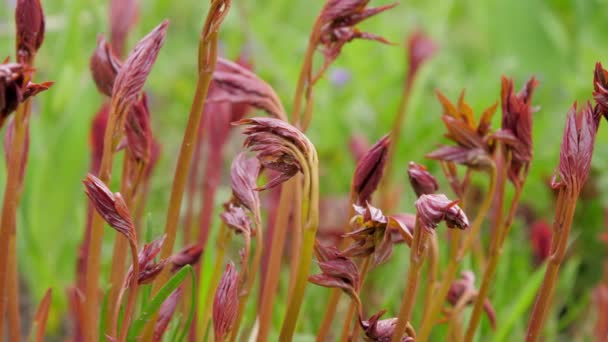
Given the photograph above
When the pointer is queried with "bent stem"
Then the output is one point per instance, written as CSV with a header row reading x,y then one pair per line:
x,y
457,253
417,253
310,210
561,227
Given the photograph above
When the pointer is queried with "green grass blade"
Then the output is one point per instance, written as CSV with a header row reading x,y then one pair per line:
x,y
521,305
155,303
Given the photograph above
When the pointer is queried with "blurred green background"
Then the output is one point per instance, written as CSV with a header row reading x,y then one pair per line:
x,y
557,41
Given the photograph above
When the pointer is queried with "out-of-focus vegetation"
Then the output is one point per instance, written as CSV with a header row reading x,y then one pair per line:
x,y
558,41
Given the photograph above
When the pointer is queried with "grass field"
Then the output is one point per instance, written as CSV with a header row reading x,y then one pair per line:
x,y
557,41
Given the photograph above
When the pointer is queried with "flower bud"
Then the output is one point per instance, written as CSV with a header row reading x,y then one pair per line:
x,y
236,84
111,207
338,271
370,169
420,48
29,19
104,65
421,180
243,176
225,303
577,147
190,255
165,313
280,147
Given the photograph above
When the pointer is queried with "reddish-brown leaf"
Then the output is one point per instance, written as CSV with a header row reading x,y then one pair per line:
x,y
104,65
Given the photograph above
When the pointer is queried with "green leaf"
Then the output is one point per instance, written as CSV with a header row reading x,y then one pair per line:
x,y
154,305
521,304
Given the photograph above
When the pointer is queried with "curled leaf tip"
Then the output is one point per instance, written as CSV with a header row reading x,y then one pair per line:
x,y
434,208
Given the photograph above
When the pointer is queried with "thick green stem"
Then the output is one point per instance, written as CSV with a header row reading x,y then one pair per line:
x,y
561,231
417,253
274,260
293,309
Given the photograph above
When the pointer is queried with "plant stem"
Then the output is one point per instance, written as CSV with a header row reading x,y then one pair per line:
x,y
131,300
10,204
293,309
364,270
14,317
431,275
211,179
334,294
119,255
274,260
561,231
385,188
207,60
310,210
91,302
352,306
223,238
255,267
417,253
457,253
296,237
498,239
330,311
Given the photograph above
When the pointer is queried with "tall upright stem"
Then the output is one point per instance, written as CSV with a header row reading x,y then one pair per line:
x,y
456,255
8,219
130,308
344,336
385,195
274,260
334,294
297,297
431,275
91,303
417,253
561,228
119,255
498,239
